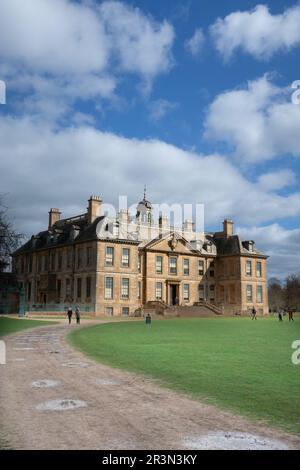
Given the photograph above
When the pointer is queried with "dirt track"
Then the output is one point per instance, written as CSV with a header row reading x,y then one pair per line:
x,y
123,411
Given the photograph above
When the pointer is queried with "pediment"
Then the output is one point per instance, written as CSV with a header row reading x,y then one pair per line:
x,y
173,243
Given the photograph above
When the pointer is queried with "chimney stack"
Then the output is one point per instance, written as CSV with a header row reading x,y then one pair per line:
x,y
163,223
94,208
124,216
188,225
54,216
228,228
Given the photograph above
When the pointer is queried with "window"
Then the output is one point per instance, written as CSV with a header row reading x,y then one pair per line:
x,y
125,288
79,258
109,287
158,290
125,257
69,258
59,261
30,264
201,292
109,256
139,263
259,294
248,268
200,267
139,289
186,292
39,266
249,293
212,292
125,311
29,291
68,286
258,269
52,261
186,267
88,287
159,264
88,256
109,311
173,265
22,265
79,288
58,288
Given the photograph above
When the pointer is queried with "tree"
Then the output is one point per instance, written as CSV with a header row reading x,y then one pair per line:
x,y
292,291
9,238
276,294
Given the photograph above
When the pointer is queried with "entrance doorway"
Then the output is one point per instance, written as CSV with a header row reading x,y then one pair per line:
x,y
174,294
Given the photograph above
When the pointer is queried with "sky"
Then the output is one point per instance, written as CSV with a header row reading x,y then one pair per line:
x,y
192,98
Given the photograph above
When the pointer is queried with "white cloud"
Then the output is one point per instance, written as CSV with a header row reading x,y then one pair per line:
x,y
258,122
159,108
60,50
274,181
257,32
195,43
44,168
281,244
142,45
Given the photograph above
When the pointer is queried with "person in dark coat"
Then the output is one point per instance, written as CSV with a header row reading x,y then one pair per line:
x,y
280,318
290,312
148,319
253,314
77,313
69,314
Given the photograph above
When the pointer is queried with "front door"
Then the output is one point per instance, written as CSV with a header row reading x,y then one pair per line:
x,y
174,300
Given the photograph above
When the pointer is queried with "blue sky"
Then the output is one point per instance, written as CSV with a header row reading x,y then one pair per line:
x,y
192,98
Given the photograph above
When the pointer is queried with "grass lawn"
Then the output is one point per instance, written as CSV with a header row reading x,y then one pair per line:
x,y
12,325
235,363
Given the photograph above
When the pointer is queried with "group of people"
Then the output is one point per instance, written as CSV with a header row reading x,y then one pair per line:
x,y
280,314
290,314
70,314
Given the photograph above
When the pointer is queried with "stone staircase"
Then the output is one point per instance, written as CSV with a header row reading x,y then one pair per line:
x,y
201,309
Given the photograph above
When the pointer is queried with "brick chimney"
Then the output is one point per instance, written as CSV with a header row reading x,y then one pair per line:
x,y
94,208
228,228
54,216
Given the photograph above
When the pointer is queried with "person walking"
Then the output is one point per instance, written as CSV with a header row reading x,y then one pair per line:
x,y
148,319
77,314
69,314
253,313
280,318
291,316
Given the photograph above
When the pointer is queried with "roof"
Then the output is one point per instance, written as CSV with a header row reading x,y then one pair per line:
x,y
234,246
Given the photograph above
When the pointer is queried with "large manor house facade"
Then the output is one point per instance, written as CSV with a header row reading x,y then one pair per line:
x,y
122,265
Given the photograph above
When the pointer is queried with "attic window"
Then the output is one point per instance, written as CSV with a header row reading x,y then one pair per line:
x,y
106,228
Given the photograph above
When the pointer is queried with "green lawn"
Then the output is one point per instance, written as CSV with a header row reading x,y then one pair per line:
x,y
235,363
12,325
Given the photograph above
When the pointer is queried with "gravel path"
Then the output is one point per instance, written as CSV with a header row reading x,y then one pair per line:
x,y
53,397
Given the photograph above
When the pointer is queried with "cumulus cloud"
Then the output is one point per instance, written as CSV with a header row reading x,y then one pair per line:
x,y
142,45
62,168
159,108
257,32
195,43
281,244
276,180
65,50
258,122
